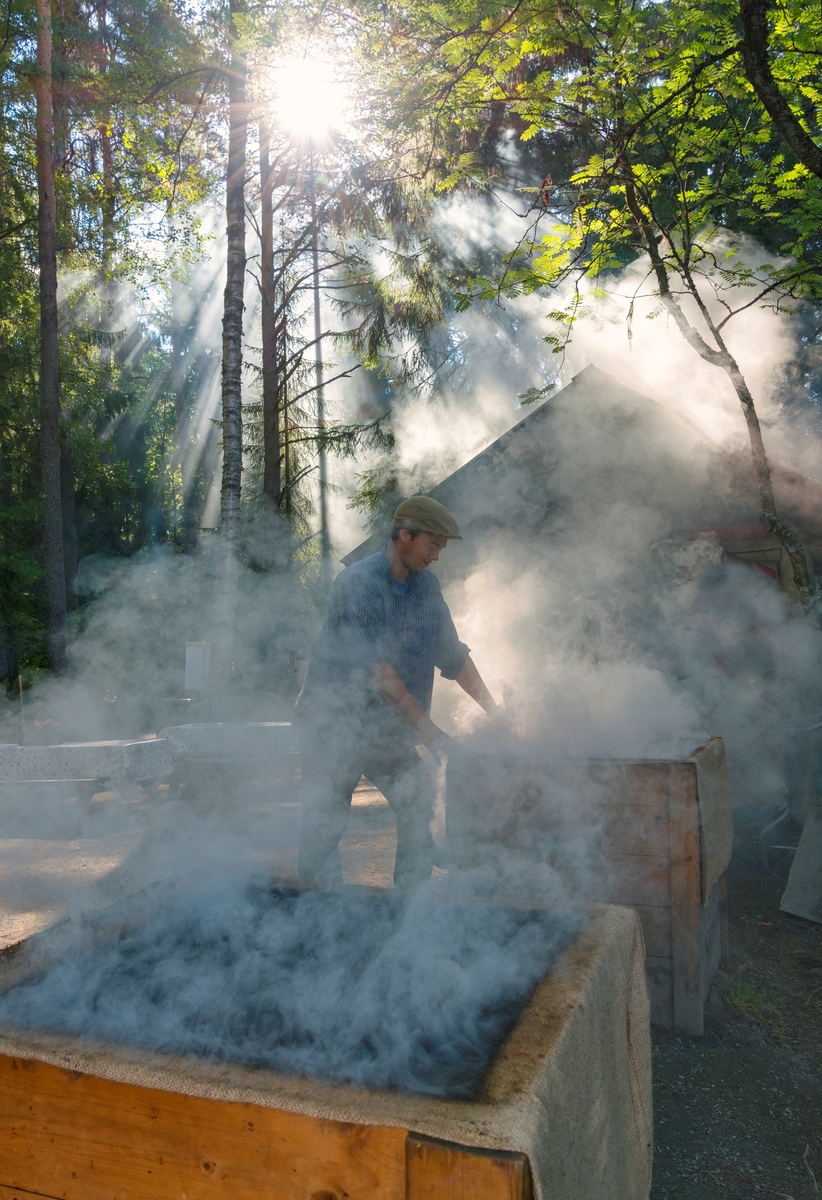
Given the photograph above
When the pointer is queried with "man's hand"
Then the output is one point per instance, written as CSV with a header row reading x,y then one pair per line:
x,y
435,738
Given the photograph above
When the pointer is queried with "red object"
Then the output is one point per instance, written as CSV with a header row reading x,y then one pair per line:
x,y
769,569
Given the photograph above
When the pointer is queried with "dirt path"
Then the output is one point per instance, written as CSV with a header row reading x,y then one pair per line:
x,y
734,1110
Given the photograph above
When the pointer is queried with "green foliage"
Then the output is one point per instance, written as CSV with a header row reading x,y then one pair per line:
x,y
623,130
757,1005
133,139
648,127
377,495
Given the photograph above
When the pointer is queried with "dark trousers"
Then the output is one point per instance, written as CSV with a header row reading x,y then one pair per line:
x,y
331,769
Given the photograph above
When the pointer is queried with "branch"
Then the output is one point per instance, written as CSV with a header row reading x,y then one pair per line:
x,y
691,335
10,230
755,59
166,84
319,386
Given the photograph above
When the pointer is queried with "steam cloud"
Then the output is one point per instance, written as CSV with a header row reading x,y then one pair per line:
x,y
604,634
328,985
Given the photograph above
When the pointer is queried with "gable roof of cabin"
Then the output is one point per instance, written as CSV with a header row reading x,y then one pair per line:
x,y
629,446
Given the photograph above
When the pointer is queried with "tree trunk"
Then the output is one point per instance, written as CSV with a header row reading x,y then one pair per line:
x,y
67,488
61,126
232,374
183,434
232,365
272,448
108,209
53,567
722,357
325,542
7,625
108,201
775,526
754,15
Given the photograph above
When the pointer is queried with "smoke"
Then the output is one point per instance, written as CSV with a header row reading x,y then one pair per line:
x,y
603,629
328,985
643,349
606,632
127,659
650,670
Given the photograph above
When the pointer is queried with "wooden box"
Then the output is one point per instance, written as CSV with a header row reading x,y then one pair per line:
x,y
564,1109
655,835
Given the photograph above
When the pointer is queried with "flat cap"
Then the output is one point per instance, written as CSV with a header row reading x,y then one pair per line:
x,y
426,515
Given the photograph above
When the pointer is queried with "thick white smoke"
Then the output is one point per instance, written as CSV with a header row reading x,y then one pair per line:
x,y
603,632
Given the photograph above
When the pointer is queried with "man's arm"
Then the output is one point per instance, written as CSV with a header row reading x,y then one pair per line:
x,y
391,688
472,683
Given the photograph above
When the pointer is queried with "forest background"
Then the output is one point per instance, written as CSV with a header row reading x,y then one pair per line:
x,y
222,265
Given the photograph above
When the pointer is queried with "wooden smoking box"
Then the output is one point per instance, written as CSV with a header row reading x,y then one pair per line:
x,y
563,1111
652,834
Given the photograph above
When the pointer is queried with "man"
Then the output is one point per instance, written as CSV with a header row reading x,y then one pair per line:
x,y
365,701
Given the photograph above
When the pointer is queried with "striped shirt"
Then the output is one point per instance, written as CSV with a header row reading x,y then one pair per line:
x,y
370,621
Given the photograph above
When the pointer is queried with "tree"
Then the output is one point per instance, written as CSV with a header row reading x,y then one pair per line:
x,y
668,150
338,197
53,565
272,330
802,77
113,390
232,377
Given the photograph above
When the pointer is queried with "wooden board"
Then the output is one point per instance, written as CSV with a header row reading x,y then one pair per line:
x,y
633,879
634,829
639,823
686,912
660,991
644,784
710,940
7,1193
74,1136
656,929
443,1171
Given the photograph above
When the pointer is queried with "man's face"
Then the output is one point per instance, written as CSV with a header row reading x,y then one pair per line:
x,y
419,552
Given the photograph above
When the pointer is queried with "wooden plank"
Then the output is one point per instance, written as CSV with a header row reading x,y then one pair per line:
x,y
7,1193
634,829
656,929
631,783
632,879
75,1136
444,1171
607,828
685,900
660,992
723,918
710,941
635,880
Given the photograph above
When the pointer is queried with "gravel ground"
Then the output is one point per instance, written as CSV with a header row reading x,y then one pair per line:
x,y
738,1112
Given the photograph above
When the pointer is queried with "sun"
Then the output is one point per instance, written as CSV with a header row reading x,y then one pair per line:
x,y
311,96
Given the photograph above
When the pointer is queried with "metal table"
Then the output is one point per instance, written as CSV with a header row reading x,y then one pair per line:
x,y
215,754
114,764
